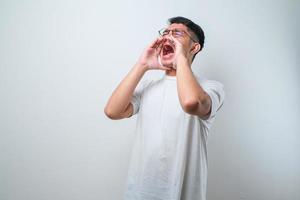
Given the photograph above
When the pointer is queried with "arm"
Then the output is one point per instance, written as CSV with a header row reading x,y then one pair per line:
x,y
193,98
119,105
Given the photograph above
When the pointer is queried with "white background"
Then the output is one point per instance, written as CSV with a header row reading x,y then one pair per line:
x,y
60,61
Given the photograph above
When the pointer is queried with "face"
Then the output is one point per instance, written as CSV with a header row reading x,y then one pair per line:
x,y
167,54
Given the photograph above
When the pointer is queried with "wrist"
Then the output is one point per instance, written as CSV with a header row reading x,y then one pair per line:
x,y
181,58
141,67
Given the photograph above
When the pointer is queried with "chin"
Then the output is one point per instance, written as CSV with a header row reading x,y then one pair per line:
x,y
168,62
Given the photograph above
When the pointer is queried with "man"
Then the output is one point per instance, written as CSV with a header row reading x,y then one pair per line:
x,y
175,114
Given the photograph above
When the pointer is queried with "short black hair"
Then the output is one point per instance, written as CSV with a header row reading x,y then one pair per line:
x,y
195,28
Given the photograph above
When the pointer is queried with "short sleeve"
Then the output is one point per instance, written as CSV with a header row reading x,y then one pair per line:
x,y
137,94
216,92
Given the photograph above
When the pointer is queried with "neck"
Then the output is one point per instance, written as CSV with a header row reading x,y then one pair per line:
x,y
171,72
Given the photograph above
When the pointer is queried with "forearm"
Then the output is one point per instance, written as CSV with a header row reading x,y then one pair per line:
x,y
121,96
189,90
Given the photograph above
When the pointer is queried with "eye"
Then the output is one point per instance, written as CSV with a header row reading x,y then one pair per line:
x,y
178,33
165,32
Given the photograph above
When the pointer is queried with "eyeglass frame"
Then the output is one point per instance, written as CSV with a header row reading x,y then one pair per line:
x,y
168,30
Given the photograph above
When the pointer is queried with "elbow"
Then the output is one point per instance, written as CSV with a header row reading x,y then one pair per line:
x,y
197,107
109,113
190,106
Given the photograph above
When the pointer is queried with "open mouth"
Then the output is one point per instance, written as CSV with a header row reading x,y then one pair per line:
x,y
167,50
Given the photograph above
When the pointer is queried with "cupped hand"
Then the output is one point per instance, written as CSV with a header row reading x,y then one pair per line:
x,y
150,56
180,51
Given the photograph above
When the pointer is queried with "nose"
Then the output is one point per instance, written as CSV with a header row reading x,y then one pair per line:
x,y
168,38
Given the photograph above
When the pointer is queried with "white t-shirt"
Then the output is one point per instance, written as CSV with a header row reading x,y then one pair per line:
x,y
169,155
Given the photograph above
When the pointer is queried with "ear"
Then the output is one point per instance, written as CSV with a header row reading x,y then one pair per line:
x,y
196,48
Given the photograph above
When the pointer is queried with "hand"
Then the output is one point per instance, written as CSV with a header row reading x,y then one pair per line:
x,y
180,51
149,58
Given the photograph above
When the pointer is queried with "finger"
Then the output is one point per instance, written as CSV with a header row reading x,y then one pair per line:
x,y
161,43
156,42
169,38
159,49
174,40
177,42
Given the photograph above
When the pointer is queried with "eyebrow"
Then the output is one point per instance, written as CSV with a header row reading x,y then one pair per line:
x,y
175,29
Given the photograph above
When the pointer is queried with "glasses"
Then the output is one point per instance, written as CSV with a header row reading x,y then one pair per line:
x,y
175,33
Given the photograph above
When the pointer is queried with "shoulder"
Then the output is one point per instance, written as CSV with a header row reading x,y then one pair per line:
x,y
145,84
216,92
150,82
206,81
208,84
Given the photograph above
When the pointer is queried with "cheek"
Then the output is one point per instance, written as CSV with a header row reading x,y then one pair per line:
x,y
186,47
191,47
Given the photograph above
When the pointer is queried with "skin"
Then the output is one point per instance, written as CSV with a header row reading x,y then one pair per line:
x,y
193,99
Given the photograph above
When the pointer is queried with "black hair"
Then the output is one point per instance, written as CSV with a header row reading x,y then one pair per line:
x,y
195,28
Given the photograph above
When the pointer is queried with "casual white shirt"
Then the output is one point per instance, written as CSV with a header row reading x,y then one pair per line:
x,y
169,155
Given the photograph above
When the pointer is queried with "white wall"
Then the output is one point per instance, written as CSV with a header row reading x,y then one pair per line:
x,y
60,60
